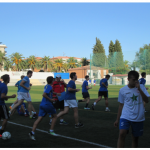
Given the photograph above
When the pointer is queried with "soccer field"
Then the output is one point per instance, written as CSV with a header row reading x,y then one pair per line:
x,y
37,91
98,130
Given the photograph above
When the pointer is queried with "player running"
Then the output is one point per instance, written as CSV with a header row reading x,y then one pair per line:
x,y
70,100
46,107
131,108
85,92
3,96
59,87
143,81
24,94
17,85
103,91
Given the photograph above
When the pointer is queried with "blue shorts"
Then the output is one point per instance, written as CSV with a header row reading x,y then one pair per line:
x,y
137,127
46,109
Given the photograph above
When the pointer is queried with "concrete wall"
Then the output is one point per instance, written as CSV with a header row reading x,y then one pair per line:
x,y
36,75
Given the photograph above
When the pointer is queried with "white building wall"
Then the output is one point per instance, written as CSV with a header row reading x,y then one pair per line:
x,y
35,75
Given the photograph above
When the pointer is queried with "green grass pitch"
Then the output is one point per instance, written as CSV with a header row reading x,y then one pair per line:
x,y
98,125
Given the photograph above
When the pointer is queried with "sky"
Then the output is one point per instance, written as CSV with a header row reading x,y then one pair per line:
x,y
70,29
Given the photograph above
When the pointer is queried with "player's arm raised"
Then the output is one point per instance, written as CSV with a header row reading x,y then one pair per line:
x,y
144,97
22,84
50,99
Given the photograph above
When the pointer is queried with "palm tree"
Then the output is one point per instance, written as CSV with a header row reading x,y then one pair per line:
x,y
7,64
46,63
17,59
84,61
2,60
32,62
65,67
58,64
72,62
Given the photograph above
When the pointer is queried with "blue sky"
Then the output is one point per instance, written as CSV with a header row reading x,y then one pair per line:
x,y
49,29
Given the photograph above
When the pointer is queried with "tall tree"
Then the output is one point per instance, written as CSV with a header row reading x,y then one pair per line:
x,y
65,67
72,62
33,63
118,55
2,60
59,64
7,64
116,63
143,58
111,47
46,63
110,56
17,59
99,57
84,61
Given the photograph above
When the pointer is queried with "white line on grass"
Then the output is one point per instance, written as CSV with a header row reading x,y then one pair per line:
x,y
62,136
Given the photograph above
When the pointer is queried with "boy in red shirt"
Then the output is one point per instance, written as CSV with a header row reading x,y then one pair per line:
x,y
59,87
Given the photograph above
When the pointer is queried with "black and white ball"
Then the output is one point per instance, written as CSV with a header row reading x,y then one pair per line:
x,y
6,135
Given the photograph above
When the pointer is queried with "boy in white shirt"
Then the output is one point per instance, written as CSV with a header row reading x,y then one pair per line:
x,y
131,109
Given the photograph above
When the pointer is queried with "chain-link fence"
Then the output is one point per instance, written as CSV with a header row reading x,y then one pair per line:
x,y
118,64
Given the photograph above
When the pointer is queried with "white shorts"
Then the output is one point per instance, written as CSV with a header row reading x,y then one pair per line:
x,y
24,96
71,103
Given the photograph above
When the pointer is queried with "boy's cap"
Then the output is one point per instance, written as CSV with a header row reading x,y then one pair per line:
x,y
58,76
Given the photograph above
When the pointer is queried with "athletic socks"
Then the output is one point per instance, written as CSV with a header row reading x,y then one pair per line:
x,y
86,105
51,130
61,120
32,132
33,112
94,103
12,105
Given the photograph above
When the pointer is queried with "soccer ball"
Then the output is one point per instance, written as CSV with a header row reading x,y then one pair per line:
x,y
6,135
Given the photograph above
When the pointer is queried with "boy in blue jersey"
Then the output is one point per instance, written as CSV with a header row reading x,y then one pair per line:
x,y
70,100
3,96
143,81
131,110
103,92
24,94
17,85
85,92
46,107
